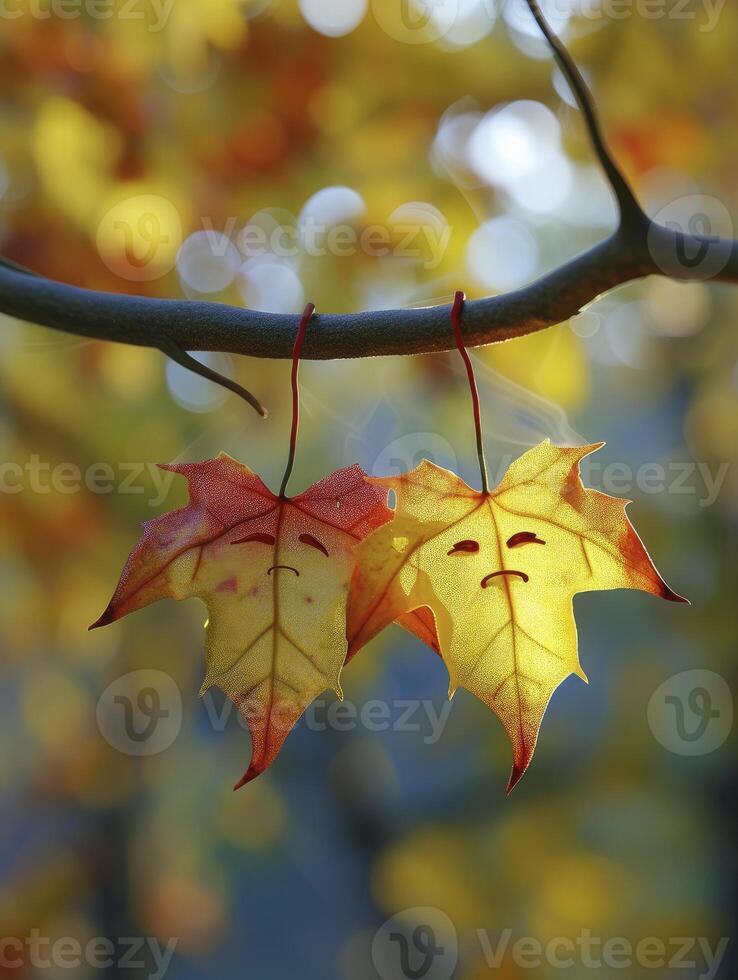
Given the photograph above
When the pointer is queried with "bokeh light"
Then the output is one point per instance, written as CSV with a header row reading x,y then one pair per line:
x,y
208,261
518,148
193,392
472,21
271,286
332,206
334,18
502,254
678,309
627,335
514,142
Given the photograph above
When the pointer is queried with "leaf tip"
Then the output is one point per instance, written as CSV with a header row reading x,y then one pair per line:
x,y
210,678
516,775
671,596
522,756
107,617
251,773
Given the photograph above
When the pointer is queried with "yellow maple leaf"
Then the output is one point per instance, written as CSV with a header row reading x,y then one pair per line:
x,y
487,578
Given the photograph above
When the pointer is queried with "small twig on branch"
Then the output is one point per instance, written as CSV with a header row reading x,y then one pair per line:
x,y
172,349
639,247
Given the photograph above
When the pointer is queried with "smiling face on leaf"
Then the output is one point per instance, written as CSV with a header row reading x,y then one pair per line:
x,y
488,579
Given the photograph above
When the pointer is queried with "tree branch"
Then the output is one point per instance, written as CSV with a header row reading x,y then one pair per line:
x,y
638,248
206,326
628,206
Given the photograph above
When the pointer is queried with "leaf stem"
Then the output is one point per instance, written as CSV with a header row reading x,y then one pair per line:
x,y
301,330
456,309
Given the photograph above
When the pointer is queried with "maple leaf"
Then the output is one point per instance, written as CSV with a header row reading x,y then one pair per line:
x,y
488,578
274,576
272,570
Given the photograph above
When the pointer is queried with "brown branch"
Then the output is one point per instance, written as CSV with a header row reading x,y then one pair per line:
x,y
638,248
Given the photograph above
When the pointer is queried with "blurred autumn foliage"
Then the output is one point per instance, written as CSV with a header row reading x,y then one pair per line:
x,y
132,158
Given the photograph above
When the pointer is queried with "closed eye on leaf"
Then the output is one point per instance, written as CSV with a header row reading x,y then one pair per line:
x,y
259,536
313,542
465,548
523,537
